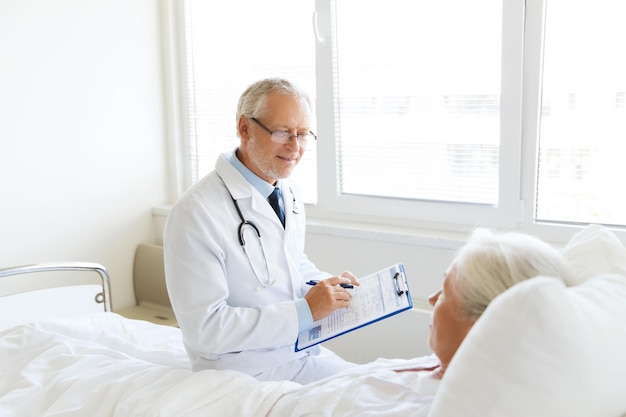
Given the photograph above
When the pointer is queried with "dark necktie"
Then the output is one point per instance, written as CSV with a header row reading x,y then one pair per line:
x,y
273,199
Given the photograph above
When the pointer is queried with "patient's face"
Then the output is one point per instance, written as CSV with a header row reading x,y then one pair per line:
x,y
448,326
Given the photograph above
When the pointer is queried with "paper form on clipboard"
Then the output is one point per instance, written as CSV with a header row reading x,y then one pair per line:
x,y
380,295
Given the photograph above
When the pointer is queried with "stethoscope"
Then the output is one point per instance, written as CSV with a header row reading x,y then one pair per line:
x,y
240,235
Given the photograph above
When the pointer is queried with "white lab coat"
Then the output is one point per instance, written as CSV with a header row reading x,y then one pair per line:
x,y
228,318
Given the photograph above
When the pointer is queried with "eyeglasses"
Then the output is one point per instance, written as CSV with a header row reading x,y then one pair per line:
x,y
282,136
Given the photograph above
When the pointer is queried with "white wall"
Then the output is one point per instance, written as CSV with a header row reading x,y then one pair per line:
x,y
82,146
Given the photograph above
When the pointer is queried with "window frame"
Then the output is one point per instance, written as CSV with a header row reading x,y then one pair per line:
x,y
522,53
535,20
413,213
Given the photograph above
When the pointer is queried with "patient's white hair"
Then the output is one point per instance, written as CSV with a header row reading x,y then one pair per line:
x,y
492,262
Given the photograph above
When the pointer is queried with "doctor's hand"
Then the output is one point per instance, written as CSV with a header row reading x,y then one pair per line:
x,y
328,295
351,277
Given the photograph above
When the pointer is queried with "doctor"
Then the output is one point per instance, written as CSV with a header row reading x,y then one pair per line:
x,y
236,274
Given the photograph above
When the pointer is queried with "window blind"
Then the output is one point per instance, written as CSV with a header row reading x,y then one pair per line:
x,y
228,47
582,141
418,99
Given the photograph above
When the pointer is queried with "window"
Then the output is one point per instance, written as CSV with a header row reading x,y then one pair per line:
x,y
412,118
582,139
227,49
444,114
417,101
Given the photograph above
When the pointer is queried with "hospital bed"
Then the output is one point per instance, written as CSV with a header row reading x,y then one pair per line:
x,y
540,349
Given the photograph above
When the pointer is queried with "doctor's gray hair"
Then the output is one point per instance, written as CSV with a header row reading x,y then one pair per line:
x,y
252,100
490,263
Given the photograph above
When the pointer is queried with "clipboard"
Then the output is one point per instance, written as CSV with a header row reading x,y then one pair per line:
x,y
381,295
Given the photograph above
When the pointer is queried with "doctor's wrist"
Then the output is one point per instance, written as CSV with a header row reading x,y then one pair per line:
x,y
305,317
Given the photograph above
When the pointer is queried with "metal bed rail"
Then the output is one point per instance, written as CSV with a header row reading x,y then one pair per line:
x,y
103,297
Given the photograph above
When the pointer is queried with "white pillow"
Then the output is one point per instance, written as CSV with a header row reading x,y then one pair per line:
x,y
594,251
543,349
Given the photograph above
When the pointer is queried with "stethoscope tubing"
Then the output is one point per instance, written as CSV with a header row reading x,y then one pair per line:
x,y
240,232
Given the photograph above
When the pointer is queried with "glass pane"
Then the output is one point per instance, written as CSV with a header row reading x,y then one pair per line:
x,y
418,98
229,46
583,117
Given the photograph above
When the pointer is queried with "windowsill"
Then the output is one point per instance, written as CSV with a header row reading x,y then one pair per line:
x,y
386,233
367,231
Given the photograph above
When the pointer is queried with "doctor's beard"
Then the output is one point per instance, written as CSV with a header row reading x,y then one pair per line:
x,y
268,163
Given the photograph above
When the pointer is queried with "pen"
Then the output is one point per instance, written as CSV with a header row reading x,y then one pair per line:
x,y
314,281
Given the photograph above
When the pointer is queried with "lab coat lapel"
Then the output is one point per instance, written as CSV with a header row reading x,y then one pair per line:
x,y
246,195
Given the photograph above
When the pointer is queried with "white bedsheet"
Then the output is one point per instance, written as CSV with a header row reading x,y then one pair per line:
x,y
372,390
106,365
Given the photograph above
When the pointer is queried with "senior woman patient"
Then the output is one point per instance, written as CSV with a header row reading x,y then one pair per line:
x,y
487,265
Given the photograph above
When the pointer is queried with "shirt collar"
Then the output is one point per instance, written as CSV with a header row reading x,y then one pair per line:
x,y
260,184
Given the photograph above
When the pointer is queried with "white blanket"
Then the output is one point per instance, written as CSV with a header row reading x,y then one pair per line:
x,y
107,365
375,389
